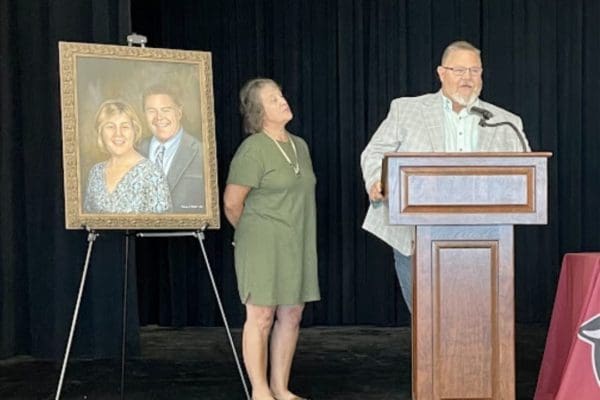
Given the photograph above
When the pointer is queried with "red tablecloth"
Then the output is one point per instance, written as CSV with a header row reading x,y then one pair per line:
x,y
571,364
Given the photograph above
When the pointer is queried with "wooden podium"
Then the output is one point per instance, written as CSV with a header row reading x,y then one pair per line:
x,y
464,206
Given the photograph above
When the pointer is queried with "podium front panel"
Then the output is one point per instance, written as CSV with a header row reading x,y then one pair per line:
x,y
463,313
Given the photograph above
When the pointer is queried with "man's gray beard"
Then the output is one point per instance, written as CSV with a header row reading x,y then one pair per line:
x,y
466,102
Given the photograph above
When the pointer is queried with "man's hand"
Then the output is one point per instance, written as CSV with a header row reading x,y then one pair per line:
x,y
375,193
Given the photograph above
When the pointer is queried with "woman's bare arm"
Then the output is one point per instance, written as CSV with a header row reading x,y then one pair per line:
x,y
233,201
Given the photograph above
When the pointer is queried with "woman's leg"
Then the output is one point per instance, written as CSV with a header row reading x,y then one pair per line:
x,y
283,346
255,339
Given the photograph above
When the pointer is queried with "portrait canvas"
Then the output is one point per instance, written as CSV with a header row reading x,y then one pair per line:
x,y
138,134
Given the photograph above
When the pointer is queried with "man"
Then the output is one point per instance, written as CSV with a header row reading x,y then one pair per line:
x,y
174,150
435,122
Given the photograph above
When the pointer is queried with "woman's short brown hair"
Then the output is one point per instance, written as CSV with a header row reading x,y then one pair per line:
x,y
113,107
251,106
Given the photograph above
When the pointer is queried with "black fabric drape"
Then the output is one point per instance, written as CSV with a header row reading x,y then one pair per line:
x,y
40,261
340,64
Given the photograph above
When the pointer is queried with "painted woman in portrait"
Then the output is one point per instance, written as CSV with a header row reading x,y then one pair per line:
x,y
126,182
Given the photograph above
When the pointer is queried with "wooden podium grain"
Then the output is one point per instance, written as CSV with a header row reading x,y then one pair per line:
x,y
464,206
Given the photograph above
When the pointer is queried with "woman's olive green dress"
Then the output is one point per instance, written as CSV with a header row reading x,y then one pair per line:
x,y
275,240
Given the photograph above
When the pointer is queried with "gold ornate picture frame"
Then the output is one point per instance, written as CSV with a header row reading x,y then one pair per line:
x,y
138,130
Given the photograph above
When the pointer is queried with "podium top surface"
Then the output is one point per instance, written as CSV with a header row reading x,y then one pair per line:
x,y
545,154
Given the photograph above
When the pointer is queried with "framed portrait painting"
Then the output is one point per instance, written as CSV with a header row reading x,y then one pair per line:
x,y
139,148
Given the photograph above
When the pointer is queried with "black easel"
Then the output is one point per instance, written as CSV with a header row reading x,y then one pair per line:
x,y
141,40
92,235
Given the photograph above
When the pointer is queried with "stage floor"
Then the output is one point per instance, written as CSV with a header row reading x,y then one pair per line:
x,y
350,363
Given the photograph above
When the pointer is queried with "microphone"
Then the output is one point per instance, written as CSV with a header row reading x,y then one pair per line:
x,y
482,112
486,114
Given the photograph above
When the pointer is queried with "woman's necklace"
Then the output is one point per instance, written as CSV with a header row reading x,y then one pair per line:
x,y
295,167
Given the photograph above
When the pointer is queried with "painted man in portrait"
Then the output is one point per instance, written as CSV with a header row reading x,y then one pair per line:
x,y
175,151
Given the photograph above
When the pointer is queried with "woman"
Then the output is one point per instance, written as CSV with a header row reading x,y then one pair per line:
x,y
270,201
127,182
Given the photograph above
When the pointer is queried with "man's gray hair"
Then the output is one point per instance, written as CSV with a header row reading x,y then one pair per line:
x,y
459,45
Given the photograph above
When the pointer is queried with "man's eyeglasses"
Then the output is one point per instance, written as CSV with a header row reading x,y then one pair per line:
x,y
460,71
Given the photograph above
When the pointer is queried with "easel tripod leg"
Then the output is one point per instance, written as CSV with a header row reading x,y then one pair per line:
x,y
124,321
91,238
200,237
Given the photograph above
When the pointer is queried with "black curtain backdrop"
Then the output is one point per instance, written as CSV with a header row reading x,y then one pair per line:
x,y
340,64
41,262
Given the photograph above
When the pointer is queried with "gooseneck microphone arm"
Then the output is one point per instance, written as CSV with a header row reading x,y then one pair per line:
x,y
483,122
485,115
